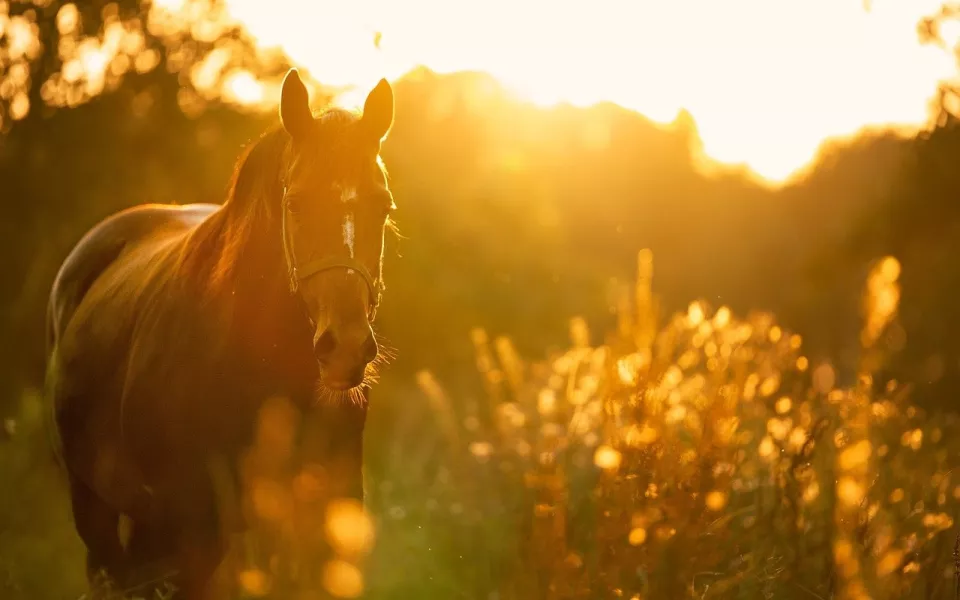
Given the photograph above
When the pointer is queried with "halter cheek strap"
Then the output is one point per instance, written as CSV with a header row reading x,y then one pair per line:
x,y
299,274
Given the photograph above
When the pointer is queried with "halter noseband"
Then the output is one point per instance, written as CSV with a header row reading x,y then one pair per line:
x,y
299,274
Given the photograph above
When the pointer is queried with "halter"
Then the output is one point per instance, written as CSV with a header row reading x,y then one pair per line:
x,y
299,274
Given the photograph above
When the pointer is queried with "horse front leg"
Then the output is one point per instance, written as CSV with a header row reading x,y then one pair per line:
x,y
197,536
97,525
199,554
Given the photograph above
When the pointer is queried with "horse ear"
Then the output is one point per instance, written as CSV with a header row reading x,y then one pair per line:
x,y
378,110
295,112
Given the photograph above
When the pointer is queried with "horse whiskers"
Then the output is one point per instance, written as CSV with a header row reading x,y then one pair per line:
x,y
355,395
385,354
382,359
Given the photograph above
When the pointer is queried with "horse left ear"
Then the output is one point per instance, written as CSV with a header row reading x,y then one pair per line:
x,y
295,112
378,110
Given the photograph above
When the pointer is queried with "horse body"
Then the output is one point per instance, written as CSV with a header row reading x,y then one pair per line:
x,y
94,319
171,327
139,429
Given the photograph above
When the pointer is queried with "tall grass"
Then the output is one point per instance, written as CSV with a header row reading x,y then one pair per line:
x,y
699,455
696,455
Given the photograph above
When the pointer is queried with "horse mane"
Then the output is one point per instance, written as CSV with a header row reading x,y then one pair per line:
x,y
215,247
253,197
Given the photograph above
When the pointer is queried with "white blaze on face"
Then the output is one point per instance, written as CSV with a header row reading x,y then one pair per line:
x,y
348,195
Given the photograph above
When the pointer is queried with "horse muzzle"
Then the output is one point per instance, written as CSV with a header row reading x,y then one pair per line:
x,y
343,359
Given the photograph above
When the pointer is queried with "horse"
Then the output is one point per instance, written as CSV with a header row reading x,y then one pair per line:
x,y
169,327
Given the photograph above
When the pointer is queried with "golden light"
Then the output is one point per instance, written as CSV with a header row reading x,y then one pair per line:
x,y
722,318
638,535
882,298
349,528
68,17
890,562
912,439
626,372
342,579
642,435
716,500
243,87
856,456
811,492
824,378
695,314
783,405
766,81
607,458
798,437
579,332
849,491
169,4
938,521
546,401
775,334
779,429
766,448
254,582
770,386
482,450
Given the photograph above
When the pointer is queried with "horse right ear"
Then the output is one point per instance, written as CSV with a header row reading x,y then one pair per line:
x,y
295,112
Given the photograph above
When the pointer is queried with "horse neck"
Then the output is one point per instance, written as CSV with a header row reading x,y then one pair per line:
x,y
267,322
258,270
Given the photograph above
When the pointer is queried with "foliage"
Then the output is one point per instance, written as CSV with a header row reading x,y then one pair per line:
x,y
702,457
705,458
56,54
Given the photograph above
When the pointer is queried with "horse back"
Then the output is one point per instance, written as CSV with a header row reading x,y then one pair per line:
x,y
103,245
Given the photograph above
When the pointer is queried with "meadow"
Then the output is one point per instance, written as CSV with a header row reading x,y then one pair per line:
x,y
693,455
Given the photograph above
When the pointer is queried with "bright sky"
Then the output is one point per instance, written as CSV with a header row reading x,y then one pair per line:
x,y
767,81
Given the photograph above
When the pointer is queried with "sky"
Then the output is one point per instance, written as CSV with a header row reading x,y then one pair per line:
x,y
767,81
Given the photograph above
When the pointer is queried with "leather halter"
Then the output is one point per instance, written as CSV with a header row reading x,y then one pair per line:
x,y
300,273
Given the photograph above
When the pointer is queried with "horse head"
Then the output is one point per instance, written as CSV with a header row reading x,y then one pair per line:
x,y
335,210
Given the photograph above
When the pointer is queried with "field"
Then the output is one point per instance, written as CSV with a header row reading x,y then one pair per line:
x,y
695,455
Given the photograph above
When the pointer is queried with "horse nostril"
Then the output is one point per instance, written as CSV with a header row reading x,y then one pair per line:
x,y
324,345
369,349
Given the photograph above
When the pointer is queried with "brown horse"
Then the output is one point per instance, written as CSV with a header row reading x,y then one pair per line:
x,y
170,326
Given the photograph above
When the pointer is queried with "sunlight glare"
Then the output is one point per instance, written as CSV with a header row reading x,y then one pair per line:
x,y
767,81
244,87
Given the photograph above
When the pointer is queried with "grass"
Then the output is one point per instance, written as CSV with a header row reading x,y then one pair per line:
x,y
699,455
704,456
